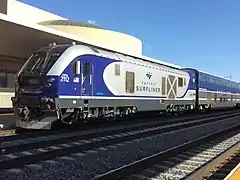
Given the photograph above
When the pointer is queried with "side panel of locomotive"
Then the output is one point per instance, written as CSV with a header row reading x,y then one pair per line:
x,y
139,81
121,83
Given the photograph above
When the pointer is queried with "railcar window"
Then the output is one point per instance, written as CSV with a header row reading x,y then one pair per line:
x,y
117,69
86,69
184,81
130,82
180,82
203,78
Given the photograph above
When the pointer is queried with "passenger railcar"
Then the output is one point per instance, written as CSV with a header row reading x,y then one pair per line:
x,y
69,83
217,92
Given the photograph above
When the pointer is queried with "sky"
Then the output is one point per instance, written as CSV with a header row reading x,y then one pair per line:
x,y
202,34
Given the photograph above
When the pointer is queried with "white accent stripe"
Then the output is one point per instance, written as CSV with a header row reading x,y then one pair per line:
x,y
135,98
105,97
131,97
202,99
218,92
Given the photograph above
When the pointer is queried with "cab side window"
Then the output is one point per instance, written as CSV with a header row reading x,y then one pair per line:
x,y
86,70
74,65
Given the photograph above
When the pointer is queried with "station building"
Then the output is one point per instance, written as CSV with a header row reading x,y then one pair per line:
x,y
24,29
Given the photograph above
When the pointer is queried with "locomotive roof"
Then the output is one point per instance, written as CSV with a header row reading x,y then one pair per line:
x,y
122,56
110,53
76,50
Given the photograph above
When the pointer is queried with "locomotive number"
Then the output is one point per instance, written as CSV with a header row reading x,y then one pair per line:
x,y
64,78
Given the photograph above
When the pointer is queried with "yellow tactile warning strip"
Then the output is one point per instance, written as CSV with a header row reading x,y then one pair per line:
x,y
234,174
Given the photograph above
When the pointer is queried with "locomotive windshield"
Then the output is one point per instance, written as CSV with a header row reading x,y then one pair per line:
x,y
40,63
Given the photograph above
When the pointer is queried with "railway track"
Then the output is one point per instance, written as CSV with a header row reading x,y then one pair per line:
x,y
184,161
225,170
137,130
12,135
17,153
24,140
221,166
99,125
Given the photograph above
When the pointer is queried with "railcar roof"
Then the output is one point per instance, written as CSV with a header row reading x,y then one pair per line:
x,y
209,74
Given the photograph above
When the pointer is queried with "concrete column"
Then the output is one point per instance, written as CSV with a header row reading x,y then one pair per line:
x,y
3,6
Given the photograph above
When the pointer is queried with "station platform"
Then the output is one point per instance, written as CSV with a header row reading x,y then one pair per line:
x,y
234,174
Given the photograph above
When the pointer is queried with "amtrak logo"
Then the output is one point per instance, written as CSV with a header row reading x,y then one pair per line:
x,y
149,75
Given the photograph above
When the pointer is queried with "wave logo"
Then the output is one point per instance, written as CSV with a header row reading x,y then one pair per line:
x,y
149,75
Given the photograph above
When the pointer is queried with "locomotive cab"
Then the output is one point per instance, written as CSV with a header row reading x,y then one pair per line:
x,y
34,103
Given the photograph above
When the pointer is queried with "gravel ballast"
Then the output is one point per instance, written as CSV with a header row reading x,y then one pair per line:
x,y
86,165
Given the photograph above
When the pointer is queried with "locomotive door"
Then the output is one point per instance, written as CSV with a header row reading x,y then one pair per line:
x,y
87,78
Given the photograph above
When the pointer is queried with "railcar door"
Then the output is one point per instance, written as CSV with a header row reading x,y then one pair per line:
x,y
209,96
215,97
87,78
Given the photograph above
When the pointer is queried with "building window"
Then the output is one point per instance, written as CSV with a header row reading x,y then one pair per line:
x,y
180,82
130,82
3,80
117,69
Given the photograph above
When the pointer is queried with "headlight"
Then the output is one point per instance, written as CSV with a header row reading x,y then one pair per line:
x,y
48,85
49,82
51,79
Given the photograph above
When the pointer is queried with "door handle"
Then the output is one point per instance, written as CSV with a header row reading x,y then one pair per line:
x,y
82,79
